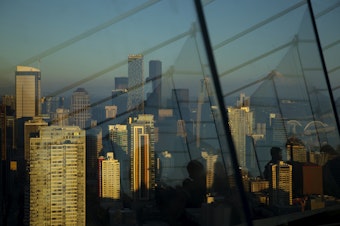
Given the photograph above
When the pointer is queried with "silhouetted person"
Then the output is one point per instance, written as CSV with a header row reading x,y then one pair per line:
x,y
276,154
172,203
195,185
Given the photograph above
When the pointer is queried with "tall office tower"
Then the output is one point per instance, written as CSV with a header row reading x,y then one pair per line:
x,y
141,147
109,186
119,139
277,132
154,98
60,117
280,184
27,92
121,83
211,160
57,176
135,84
241,125
80,108
31,129
94,145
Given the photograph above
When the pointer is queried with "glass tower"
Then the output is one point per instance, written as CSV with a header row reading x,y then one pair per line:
x,y
135,83
80,108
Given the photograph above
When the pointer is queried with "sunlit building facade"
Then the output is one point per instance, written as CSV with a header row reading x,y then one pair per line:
x,y
110,177
280,183
32,128
27,91
283,55
241,125
57,176
142,154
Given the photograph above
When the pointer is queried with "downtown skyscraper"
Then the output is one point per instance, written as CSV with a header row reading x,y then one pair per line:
x,y
80,108
119,141
241,125
57,176
27,91
142,154
154,98
135,83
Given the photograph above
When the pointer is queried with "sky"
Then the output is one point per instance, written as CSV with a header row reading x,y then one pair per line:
x,y
76,41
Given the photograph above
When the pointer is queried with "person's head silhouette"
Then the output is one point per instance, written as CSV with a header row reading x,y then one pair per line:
x,y
276,154
195,169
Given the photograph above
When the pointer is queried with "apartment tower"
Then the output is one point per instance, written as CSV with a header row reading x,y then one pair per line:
x,y
57,176
110,177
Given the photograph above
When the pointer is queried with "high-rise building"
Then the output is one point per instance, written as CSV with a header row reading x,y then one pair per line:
x,y
141,147
31,129
119,139
80,108
280,184
110,177
241,126
154,98
94,145
57,176
135,83
27,92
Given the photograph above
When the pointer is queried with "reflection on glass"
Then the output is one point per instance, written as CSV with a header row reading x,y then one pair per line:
x,y
112,117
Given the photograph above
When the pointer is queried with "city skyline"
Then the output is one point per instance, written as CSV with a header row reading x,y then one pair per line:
x,y
136,112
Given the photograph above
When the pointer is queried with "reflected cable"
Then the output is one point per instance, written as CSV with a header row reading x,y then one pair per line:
x,y
223,112
323,62
308,95
206,86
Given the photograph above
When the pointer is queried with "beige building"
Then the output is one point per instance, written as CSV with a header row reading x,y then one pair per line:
x,y
57,176
31,129
110,177
280,182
